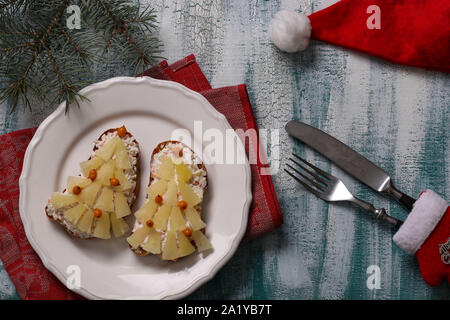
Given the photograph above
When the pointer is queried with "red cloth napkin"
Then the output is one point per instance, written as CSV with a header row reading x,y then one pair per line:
x,y
31,279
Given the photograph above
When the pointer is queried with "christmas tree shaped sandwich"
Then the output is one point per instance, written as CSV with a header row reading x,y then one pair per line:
x,y
169,224
98,199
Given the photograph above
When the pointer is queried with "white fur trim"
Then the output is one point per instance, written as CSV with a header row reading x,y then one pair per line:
x,y
422,220
290,31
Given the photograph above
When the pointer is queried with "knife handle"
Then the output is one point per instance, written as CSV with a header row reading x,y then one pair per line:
x,y
407,201
404,199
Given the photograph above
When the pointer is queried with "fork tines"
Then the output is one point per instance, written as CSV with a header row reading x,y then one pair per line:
x,y
312,178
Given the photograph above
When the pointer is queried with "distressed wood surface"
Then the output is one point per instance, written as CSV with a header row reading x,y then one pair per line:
x,y
396,116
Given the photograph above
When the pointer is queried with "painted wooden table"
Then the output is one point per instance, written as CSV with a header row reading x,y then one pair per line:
x,y
394,115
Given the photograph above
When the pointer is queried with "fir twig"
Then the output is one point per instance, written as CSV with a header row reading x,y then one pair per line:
x,y
25,45
122,29
38,52
75,46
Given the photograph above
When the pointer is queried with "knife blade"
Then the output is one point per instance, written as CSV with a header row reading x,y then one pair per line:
x,y
348,159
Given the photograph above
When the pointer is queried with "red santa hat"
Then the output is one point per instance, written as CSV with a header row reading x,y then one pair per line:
x,y
426,233
414,33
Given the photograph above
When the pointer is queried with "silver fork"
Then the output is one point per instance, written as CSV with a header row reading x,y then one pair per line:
x,y
331,189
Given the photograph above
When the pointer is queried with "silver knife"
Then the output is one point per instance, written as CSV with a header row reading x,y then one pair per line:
x,y
348,159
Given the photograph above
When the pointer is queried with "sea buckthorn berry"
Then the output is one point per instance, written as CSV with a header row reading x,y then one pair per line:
x,y
114,182
149,223
97,213
92,174
187,232
182,205
158,199
76,190
122,131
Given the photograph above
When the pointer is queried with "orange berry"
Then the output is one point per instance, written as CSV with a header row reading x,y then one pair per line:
x,y
158,199
97,213
114,182
182,205
76,190
149,223
187,232
92,174
122,131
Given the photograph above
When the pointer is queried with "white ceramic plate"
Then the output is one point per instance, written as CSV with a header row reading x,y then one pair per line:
x,y
151,110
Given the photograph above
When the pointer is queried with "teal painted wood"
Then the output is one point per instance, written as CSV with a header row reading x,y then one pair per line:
x,y
396,116
7,289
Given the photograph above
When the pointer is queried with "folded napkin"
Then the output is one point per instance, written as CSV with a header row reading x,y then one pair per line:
x,y
31,279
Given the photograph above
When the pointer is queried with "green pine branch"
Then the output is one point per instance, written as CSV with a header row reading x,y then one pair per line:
x,y
40,57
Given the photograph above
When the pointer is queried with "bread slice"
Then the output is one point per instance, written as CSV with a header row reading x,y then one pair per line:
x,y
115,155
169,223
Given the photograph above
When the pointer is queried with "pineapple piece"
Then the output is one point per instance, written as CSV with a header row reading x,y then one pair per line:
x,y
88,165
159,187
105,201
176,160
188,194
121,207
103,226
176,220
85,223
146,212
161,217
125,184
170,250
153,243
89,194
201,241
185,247
171,196
120,146
77,181
123,160
166,170
59,200
195,222
183,172
136,239
73,214
119,226
107,150
106,172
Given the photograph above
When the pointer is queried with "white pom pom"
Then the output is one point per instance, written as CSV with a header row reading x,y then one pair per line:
x,y
290,31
